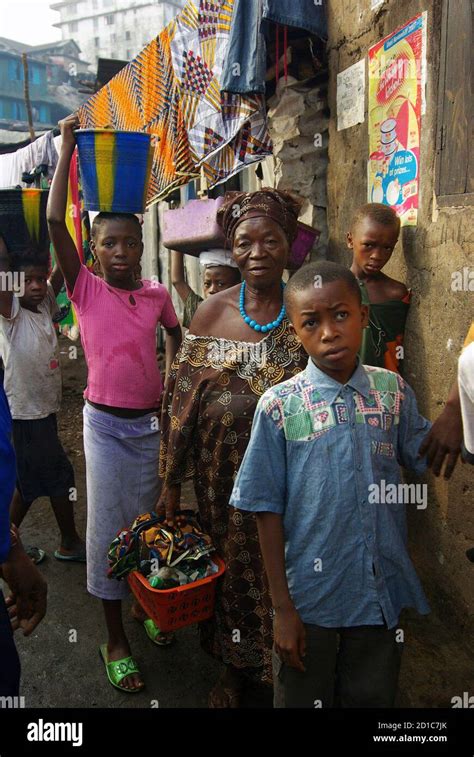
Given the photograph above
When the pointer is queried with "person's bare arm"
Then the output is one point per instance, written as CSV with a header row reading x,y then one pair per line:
x,y
174,337
168,502
64,247
442,445
289,630
27,602
56,280
6,290
209,313
177,275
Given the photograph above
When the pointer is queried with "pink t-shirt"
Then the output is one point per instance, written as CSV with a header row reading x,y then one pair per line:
x,y
118,332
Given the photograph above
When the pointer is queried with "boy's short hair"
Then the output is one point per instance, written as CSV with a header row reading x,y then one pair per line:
x,y
103,217
319,273
376,211
25,258
20,262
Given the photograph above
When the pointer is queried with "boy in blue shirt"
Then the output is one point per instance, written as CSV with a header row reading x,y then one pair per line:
x,y
322,474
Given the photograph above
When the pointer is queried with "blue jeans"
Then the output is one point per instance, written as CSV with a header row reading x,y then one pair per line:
x,y
10,662
303,14
244,69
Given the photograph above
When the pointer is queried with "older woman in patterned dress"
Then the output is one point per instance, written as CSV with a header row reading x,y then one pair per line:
x,y
240,343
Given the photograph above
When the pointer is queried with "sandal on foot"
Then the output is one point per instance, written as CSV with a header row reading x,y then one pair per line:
x,y
155,635
117,670
35,554
79,557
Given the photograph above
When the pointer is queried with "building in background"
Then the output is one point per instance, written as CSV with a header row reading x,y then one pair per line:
x,y
65,56
114,28
52,72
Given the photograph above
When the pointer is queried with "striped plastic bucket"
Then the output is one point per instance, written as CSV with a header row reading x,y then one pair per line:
x,y
23,223
115,169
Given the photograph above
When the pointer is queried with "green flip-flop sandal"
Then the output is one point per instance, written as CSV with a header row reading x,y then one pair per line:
x,y
155,635
117,670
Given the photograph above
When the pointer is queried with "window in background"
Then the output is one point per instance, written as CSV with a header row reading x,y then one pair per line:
x,y
110,19
35,74
19,111
455,152
15,70
44,115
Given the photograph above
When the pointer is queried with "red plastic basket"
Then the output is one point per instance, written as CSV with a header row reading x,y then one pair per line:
x,y
176,608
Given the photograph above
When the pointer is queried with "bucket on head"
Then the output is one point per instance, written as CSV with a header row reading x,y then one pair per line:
x,y
115,169
23,223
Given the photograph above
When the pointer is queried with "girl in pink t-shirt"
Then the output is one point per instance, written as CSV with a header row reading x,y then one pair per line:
x,y
118,318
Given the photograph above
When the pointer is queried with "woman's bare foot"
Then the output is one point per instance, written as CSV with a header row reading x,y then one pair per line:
x,y
227,693
117,651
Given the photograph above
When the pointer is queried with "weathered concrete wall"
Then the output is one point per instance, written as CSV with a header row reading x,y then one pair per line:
x,y
425,259
298,123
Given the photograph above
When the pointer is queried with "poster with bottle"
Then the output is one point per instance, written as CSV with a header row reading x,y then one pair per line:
x,y
396,103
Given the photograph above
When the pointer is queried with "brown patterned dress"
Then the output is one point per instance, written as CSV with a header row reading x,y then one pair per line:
x,y
212,392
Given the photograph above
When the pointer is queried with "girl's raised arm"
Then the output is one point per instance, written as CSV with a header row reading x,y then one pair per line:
x,y
64,247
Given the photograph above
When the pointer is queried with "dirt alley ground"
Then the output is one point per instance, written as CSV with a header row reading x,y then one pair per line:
x,y
58,672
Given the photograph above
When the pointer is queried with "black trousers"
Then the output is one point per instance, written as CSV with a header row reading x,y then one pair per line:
x,y
345,667
9,660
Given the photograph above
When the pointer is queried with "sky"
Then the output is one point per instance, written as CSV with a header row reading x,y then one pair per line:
x,y
29,22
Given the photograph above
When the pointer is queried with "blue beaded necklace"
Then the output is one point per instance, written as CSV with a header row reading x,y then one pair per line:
x,y
251,322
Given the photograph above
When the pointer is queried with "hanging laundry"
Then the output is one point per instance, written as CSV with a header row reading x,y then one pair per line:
x,y
41,152
245,64
302,14
172,90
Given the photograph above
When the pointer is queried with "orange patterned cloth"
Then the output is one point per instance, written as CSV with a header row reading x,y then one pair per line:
x,y
172,90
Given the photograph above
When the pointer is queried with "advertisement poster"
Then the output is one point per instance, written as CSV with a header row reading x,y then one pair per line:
x,y
396,100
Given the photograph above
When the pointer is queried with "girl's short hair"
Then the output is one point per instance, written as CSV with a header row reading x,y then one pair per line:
x,y
103,217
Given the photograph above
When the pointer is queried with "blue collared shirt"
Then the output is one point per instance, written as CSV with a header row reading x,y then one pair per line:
x,y
327,457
